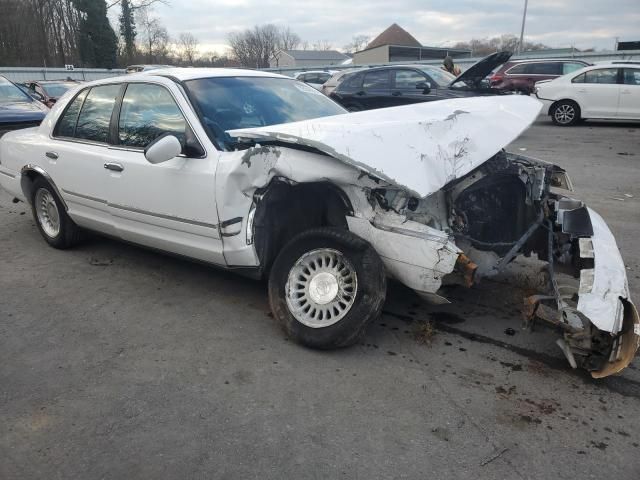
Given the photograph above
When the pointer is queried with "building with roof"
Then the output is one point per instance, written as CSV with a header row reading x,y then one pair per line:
x,y
395,44
306,58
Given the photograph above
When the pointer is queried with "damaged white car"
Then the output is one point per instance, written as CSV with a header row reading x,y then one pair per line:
x,y
264,175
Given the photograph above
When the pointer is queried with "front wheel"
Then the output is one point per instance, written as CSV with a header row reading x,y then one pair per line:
x,y
325,286
52,220
565,113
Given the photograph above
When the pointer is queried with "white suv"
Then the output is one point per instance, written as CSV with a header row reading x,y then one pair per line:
x,y
608,90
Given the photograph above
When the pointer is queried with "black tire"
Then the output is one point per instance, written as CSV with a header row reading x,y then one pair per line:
x,y
565,113
69,234
366,304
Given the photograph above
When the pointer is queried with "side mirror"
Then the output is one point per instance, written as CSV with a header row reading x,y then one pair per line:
x,y
36,95
424,86
162,149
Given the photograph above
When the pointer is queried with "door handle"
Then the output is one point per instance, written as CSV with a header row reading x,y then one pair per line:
x,y
360,93
582,90
396,94
52,155
116,167
626,92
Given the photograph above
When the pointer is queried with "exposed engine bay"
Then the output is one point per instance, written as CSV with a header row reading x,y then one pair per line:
x,y
508,207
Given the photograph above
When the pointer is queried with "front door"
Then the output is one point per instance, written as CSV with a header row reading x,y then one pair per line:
x,y
599,94
171,205
408,87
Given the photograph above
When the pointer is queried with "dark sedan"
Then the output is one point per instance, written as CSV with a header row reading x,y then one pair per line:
x,y
17,109
395,85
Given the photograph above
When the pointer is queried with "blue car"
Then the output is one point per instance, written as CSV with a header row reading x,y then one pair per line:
x,y
17,109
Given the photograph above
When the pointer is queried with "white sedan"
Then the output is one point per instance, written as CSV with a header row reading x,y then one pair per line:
x,y
604,91
264,175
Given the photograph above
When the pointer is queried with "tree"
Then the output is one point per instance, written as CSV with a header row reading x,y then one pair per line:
x,y
97,40
359,42
288,39
322,45
188,47
255,47
128,29
155,38
485,46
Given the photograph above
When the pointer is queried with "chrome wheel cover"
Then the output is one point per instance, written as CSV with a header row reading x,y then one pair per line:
x,y
565,113
321,288
47,212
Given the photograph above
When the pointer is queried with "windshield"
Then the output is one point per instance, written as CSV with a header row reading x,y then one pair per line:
x,y
56,90
439,76
9,93
227,103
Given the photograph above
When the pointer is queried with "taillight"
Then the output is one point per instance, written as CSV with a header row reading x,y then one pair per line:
x,y
496,78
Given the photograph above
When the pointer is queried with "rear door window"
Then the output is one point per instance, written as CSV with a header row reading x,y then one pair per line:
x,y
376,80
147,112
602,76
95,117
408,79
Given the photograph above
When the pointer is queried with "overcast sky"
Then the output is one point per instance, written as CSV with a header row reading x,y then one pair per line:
x,y
558,23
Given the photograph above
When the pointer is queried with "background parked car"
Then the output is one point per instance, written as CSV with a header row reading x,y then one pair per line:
x,y
315,78
18,109
50,90
608,90
144,68
521,75
395,85
331,84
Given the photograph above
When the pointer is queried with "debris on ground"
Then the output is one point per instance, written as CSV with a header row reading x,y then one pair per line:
x,y
424,333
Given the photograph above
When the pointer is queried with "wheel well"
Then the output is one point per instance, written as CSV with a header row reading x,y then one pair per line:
x,y
26,183
553,105
285,210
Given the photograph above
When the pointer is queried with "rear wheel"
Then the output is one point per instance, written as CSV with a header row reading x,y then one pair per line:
x,y
55,226
565,113
325,286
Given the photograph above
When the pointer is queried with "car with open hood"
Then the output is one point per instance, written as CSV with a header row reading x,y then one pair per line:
x,y
263,175
394,85
50,90
17,108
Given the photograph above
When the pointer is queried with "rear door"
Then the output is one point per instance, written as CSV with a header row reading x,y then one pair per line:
x,y
79,149
376,90
629,106
598,92
171,205
407,87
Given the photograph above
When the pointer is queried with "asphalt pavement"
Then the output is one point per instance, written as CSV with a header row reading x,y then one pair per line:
x,y
118,362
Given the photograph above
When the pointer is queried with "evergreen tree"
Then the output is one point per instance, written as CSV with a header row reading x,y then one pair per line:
x,y
128,29
98,42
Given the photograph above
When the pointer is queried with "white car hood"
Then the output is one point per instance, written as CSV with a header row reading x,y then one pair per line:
x,y
418,147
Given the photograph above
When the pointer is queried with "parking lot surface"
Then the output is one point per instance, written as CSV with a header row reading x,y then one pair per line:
x,y
118,362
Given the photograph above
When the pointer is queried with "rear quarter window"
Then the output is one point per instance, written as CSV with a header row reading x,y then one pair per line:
x,y
66,126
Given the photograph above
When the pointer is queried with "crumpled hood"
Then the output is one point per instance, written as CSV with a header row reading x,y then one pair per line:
x,y
418,147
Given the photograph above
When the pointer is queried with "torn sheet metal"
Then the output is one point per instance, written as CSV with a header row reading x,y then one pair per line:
x,y
418,257
419,147
601,303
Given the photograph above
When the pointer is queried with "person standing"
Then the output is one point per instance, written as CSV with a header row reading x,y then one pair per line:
x,y
449,66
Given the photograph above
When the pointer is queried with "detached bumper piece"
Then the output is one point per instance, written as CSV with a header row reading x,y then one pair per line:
x,y
591,307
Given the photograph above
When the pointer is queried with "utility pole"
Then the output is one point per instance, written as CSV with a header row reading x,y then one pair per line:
x,y
524,18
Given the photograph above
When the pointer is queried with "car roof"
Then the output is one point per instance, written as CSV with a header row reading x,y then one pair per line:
x,y
183,74
538,60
